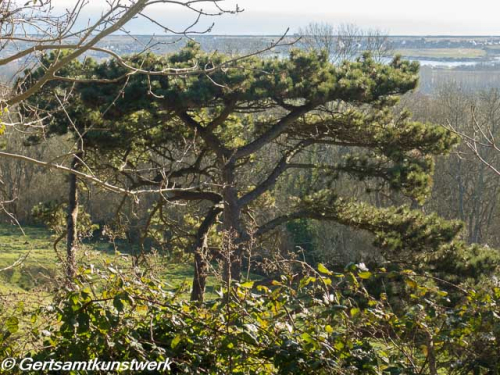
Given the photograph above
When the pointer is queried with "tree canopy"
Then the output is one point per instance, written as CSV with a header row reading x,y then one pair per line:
x,y
207,135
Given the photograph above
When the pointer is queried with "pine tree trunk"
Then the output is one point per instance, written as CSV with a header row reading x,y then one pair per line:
x,y
71,223
235,233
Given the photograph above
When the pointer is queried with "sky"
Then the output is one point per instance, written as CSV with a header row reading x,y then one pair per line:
x,y
396,17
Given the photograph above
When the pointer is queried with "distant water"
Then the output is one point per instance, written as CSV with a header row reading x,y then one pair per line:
x,y
446,64
454,64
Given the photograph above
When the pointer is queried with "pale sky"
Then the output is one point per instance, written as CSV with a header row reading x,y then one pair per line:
x,y
403,17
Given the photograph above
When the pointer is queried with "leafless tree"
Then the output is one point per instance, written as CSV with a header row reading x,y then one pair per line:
x,y
466,183
319,36
479,137
345,42
378,44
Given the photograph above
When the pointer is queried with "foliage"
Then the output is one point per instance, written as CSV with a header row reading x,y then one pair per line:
x,y
320,323
302,237
53,215
223,138
236,130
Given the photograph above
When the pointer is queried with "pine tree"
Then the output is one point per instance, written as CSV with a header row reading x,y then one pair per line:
x,y
270,111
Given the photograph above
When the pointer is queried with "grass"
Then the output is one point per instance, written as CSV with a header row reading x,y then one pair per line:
x,y
40,262
41,265
31,284
444,53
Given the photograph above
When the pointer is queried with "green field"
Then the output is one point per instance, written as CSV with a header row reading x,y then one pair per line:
x,y
41,266
444,53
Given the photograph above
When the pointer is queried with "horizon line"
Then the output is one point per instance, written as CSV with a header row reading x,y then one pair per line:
x,y
294,35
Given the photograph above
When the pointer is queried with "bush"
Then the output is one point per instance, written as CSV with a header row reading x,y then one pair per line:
x,y
320,323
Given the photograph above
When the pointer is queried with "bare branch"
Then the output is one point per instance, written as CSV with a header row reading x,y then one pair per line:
x,y
90,178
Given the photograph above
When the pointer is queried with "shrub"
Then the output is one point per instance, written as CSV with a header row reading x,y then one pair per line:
x,y
320,323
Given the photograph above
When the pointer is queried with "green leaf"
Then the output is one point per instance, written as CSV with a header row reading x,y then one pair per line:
x,y
176,341
365,275
323,269
327,281
12,324
355,312
118,303
74,298
247,285
83,322
339,345
307,280
307,338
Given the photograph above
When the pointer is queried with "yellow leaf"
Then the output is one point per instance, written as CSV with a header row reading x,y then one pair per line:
x,y
175,341
365,275
355,312
323,269
247,285
411,283
327,281
263,288
339,345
